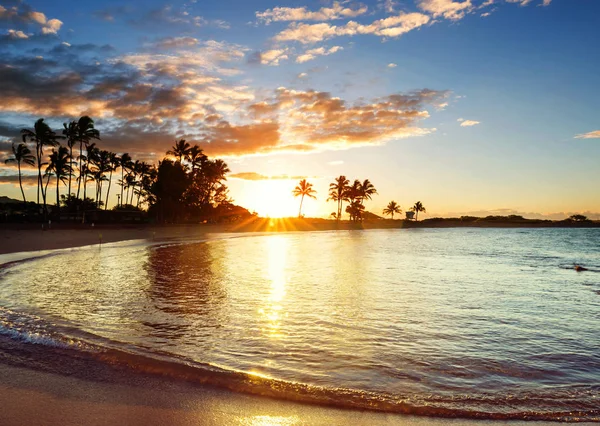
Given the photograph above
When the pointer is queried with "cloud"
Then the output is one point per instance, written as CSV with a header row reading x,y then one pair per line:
x,y
175,43
14,34
591,135
160,17
289,121
272,57
23,16
468,123
449,9
337,11
526,2
258,176
392,65
311,54
393,26
336,163
28,180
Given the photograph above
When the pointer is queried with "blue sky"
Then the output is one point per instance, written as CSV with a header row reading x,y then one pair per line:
x,y
469,106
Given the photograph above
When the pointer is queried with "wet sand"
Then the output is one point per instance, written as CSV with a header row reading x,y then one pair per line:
x,y
33,397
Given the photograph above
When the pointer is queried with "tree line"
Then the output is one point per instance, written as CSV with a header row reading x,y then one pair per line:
x,y
186,186
355,194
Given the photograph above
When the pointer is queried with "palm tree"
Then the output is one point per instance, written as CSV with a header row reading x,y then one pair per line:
x,y
392,208
355,209
180,150
418,207
114,162
85,132
60,167
42,136
195,156
367,190
125,164
304,189
90,158
338,192
103,166
21,154
70,133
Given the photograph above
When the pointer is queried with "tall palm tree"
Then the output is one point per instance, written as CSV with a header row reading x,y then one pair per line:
x,y
418,207
367,190
103,166
42,136
88,171
114,162
303,189
70,133
21,155
180,150
85,132
338,192
195,156
60,167
125,164
392,208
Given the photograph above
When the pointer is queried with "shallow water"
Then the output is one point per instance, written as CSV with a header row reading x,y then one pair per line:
x,y
491,323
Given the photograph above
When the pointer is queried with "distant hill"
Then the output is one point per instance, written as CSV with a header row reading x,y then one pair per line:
x,y
5,200
371,216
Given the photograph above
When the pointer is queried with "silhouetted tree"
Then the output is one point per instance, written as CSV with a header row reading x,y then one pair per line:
x,y
303,189
41,136
85,132
171,183
125,164
338,192
59,165
180,150
70,134
21,155
392,208
418,207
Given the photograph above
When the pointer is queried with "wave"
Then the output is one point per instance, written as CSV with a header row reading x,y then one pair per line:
x,y
53,340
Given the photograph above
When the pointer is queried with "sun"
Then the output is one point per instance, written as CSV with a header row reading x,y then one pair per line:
x,y
273,198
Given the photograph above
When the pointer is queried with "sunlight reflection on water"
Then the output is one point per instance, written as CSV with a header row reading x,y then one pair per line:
x,y
442,313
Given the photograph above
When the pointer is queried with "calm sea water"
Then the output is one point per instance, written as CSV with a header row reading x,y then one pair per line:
x,y
489,323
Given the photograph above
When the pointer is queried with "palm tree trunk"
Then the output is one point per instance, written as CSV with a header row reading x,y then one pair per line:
x,y
80,165
21,183
417,217
57,196
39,161
301,201
108,191
71,166
122,185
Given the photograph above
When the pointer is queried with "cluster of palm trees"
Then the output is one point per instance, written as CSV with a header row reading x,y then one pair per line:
x,y
87,164
341,191
80,160
355,194
394,208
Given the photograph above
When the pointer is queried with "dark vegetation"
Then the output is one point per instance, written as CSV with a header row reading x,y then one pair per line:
x,y
186,186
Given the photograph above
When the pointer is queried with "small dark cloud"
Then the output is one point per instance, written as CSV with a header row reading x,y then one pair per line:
x,y
112,13
254,58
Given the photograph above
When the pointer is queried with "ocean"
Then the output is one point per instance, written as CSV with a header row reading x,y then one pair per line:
x,y
468,323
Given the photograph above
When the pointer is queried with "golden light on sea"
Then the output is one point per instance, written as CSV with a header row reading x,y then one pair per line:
x,y
277,258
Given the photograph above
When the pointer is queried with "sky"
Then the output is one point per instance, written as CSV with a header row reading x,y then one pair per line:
x,y
471,107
